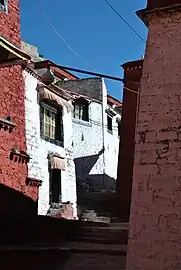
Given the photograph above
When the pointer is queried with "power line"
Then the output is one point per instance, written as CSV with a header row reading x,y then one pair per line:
x,y
64,41
58,33
87,72
110,77
121,17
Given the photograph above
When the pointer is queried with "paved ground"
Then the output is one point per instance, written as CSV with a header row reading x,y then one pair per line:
x,y
60,260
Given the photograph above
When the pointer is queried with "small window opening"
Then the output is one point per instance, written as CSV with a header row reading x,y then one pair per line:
x,y
109,124
81,112
119,129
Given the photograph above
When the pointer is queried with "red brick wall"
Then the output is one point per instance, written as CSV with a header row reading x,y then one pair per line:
x,y
12,88
156,195
10,22
12,104
132,72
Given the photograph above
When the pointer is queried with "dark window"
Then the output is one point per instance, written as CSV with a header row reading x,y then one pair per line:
x,y
55,186
81,112
3,5
119,129
109,123
51,123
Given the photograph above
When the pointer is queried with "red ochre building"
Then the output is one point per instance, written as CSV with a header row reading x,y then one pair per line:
x,y
17,191
154,237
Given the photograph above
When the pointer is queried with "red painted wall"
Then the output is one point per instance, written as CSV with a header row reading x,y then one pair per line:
x,y
12,104
132,72
12,97
154,240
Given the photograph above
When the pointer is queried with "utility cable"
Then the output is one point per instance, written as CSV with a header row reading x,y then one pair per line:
x,y
58,33
64,41
121,17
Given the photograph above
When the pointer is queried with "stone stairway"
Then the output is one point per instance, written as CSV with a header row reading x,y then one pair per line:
x,y
79,258
113,234
100,240
87,246
92,216
98,246
97,206
104,203
96,261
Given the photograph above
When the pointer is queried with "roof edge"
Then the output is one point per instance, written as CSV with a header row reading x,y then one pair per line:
x,y
144,14
133,64
13,48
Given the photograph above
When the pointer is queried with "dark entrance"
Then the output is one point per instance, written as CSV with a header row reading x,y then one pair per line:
x,y
55,186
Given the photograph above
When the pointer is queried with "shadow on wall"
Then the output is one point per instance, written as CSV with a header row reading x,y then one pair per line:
x,y
92,182
14,206
21,226
15,203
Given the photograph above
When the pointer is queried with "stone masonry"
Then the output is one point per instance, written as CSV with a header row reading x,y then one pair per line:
x,y
154,241
39,150
10,22
93,165
13,174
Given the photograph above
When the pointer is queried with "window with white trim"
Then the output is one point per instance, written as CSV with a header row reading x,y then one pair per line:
x,y
81,112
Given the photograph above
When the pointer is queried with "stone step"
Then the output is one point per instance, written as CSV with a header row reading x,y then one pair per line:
x,y
100,235
72,246
92,226
99,195
119,225
89,211
95,218
101,240
84,223
96,261
103,203
95,247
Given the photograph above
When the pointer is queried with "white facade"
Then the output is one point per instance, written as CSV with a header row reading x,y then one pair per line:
x,y
95,167
38,149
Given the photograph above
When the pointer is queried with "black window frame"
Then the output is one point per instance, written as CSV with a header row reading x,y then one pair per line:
x,y
58,138
109,124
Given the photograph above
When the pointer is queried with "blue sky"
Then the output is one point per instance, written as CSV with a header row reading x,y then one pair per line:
x,y
91,28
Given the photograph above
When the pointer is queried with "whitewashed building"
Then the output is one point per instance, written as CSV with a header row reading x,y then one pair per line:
x,y
49,142
96,130
91,134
